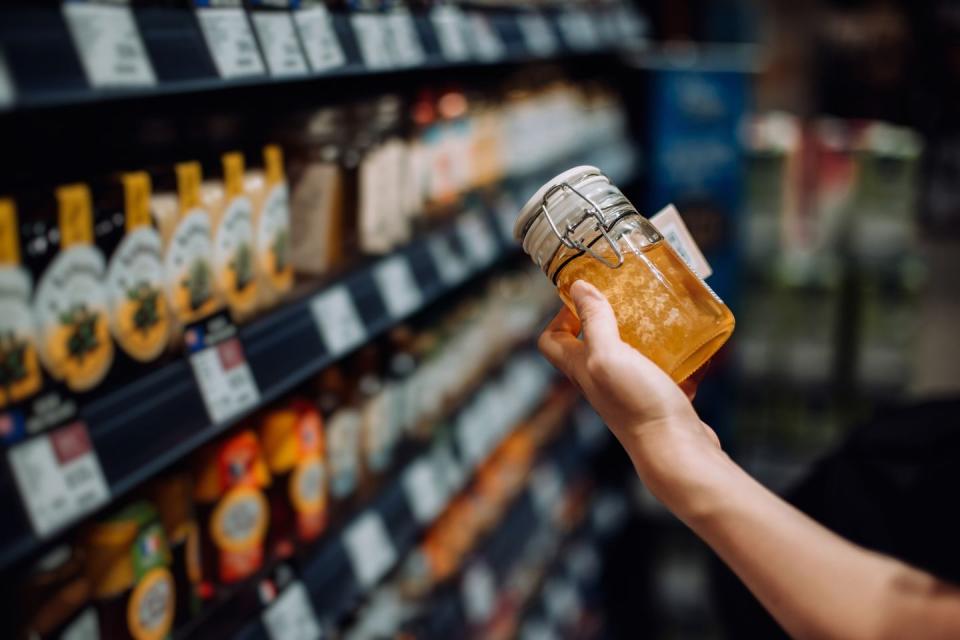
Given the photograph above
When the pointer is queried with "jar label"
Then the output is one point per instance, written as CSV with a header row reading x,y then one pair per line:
x,y
20,375
233,255
188,269
273,239
343,441
308,491
238,526
151,606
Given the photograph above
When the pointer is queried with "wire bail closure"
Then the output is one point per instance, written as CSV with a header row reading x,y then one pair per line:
x,y
566,237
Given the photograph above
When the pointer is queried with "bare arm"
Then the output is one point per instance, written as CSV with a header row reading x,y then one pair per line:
x,y
815,583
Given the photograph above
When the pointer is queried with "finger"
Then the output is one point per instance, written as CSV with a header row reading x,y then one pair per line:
x,y
600,331
562,349
565,321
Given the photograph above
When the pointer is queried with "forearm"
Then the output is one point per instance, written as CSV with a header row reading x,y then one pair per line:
x,y
814,583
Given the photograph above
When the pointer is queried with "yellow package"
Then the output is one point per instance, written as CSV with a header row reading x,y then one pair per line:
x,y
70,305
233,251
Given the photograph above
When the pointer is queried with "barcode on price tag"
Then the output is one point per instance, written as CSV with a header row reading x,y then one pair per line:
x,y
230,41
449,26
477,239
479,592
397,286
278,38
225,380
291,616
407,49
319,38
59,477
424,491
109,45
538,37
373,39
337,320
369,547
450,265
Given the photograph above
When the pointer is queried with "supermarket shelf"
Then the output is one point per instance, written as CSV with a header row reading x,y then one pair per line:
x,y
148,423
46,69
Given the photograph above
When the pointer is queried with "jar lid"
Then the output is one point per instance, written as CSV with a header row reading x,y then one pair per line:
x,y
532,209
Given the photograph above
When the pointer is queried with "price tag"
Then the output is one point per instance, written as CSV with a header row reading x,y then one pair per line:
x,y
448,24
538,36
59,477
223,375
407,48
578,30
397,286
546,489
447,470
281,48
669,223
487,45
424,491
478,240
7,93
291,616
319,38
479,591
371,552
231,42
450,266
373,39
337,320
472,433
109,45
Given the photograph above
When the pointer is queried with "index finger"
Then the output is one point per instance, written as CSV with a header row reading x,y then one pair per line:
x,y
565,321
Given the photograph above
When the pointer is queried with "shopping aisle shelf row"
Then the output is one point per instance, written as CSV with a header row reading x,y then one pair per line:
x,y
80,52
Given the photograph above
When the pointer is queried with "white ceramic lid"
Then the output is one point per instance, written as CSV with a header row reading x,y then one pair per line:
x,y
532,208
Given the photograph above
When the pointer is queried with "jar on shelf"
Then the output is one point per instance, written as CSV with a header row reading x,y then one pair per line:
x,y
579,226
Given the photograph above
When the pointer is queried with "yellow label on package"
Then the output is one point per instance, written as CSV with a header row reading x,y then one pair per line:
x,y
671,227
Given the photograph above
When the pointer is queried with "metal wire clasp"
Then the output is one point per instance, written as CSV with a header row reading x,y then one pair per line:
x,y
566,237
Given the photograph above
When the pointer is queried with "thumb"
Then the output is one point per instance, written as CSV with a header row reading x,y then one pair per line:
x,y
600,330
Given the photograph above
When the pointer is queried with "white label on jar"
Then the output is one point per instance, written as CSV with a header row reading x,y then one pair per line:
x,y
70,308
537,34
449,25
225,380
291,616
451,267
109,45
273,234
479,592
319,38
231,42
187,264
233,257
373,39
59,477
424,491
397,286
135,294
407,49
281,48
337,320
22,375
343,451
85,627
369,547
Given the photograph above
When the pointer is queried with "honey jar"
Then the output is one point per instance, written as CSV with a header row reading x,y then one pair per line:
x,y
579,226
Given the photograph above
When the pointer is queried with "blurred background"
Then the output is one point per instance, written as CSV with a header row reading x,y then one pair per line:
x,y
267,362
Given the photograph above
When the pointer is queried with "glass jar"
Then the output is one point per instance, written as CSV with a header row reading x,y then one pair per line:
x,y
579,226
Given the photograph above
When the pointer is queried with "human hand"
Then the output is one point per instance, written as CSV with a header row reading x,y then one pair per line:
x,y
646,410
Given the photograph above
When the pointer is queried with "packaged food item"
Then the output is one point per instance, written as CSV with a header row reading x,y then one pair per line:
x,y
233,510
185,227
271,226
70,304
173,497
293,447
343,427
234,260
20,375
580,226
55,598
139,311
377,433
128,566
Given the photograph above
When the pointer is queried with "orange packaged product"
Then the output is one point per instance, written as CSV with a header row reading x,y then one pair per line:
x,y
293,447
234,514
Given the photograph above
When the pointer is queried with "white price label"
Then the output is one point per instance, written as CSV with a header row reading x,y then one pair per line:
x,y
479,591
337,320
109,45
281,48
407,49
538,36
670,225
477,238
424,491
448,24
369,547
291,616
231,42
7,92
578,30
398,287
59,477
319,38
450,265
487,45
546,489
373,40
225,380
447,470
472,433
